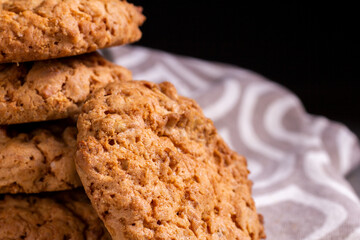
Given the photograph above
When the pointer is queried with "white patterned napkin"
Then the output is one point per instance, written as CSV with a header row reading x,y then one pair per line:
x,y
297,161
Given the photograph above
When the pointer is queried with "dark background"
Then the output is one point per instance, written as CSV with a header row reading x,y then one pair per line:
x,y
312,50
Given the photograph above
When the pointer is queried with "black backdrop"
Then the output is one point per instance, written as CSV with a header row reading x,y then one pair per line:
x,y
312,50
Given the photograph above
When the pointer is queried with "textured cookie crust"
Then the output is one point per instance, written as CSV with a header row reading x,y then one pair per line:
x,y
68,215
155,168
53,89
38,157
44,29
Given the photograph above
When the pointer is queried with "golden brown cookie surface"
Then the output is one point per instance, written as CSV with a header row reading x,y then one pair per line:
x,y
45,29
155,168
67,215
52,89
38,157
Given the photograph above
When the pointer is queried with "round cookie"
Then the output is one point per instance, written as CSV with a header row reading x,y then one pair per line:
x,y
154,167
38,157
68,215
45,29
53,89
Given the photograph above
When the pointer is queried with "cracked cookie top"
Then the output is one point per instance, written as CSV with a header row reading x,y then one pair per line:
x,y
67,215
154,167
44,29
53,89
38,157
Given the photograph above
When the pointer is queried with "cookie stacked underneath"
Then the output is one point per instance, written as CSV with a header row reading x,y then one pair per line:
x,y
151,164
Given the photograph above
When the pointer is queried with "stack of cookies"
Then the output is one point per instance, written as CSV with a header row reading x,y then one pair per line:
x,y
151,164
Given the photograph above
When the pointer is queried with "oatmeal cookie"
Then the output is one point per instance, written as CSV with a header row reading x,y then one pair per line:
x,y
68,215
44,29
52,89
38,157
154,167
